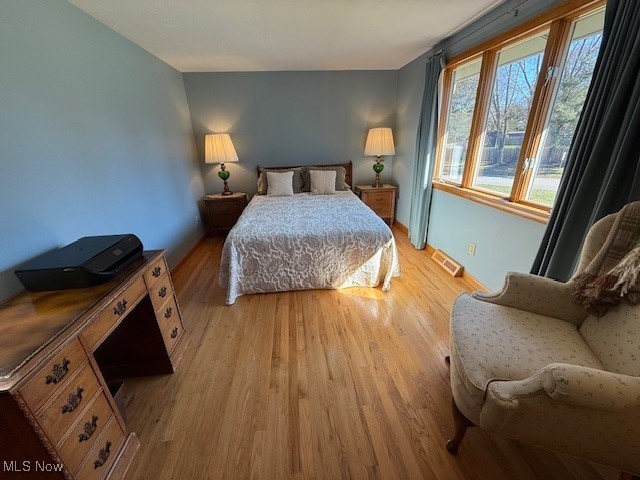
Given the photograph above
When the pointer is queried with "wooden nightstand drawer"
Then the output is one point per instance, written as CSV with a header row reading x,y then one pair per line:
x,y
226,221
222,212
154,272
105,450
382,210
108,318
231,208
85,432
381,200
61,412
161,292
53,376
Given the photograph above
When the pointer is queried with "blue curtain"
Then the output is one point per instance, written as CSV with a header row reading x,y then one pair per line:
x,y
426,142
603,166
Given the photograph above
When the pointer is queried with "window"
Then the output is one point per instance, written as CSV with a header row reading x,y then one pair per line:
x,y
459,116
510,110
510,102
562,119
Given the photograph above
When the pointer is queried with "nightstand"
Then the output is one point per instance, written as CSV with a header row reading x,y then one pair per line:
x,y
222,211
381,200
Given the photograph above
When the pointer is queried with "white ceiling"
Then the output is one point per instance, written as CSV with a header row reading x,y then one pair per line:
x,y
271,35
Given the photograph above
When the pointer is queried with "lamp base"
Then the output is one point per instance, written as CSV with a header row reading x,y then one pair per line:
x,y
226,190
377,183
378,167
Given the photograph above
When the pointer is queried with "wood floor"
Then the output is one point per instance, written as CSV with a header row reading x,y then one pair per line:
x,y
319,384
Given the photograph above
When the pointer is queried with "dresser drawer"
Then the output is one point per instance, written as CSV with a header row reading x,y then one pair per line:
x,y
107,319
53,375
67,405
161,291
167,313
171,325
155,271
104,451
85,432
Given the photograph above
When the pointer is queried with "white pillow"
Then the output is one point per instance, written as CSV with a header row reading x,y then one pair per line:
x,y
279,184
323,182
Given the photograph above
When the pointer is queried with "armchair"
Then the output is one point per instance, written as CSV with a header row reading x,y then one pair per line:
x,y
529,363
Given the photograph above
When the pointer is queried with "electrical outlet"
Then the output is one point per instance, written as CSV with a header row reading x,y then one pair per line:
x,y
472,249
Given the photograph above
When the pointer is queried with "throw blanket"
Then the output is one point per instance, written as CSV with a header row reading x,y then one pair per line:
x,y
612,275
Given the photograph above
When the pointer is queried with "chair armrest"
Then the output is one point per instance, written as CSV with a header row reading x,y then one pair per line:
x,y
536,294
574,385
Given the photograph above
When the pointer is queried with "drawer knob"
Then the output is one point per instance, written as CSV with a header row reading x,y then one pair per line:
x,y
89,429
103,456
168,312
174,332
156,272
120,308
58,372
73,401
162,292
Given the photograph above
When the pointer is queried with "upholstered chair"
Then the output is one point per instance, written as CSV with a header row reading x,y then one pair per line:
x,y
529,363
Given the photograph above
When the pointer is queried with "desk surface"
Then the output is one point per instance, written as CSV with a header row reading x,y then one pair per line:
x,y
30,321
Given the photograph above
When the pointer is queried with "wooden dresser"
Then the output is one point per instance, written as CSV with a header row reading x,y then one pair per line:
x,y
381,200
62,353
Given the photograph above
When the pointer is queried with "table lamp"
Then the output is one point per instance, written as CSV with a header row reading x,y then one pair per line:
x,y
218,148
379,143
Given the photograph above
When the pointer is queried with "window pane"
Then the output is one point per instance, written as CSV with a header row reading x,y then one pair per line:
x,y
567,104
464,85
511,97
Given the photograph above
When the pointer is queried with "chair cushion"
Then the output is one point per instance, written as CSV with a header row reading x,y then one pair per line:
x,y
615,339
492,342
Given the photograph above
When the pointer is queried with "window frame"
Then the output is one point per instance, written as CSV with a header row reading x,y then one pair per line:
x,y
558,21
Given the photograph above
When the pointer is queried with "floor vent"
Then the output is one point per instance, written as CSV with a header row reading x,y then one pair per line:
x,y
448,263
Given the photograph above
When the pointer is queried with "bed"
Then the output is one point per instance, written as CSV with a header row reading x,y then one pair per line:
x,y
307,241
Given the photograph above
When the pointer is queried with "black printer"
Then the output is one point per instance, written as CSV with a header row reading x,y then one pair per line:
x,y
86,262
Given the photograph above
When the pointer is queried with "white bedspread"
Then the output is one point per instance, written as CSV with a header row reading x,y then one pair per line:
x,y
305,242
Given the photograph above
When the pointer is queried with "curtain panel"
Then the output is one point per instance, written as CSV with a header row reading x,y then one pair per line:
x,y
426,143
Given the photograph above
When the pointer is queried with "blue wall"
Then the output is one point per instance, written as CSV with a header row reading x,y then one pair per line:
x,y
291,118
455,222
95,138
504,242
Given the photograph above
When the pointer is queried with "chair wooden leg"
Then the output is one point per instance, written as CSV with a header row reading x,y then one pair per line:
x,y
461,423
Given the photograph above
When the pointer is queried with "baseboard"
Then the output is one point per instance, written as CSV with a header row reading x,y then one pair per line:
x,y
465,275
401,227
186,257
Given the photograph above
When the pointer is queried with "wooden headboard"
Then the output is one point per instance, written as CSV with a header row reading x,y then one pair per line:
x,y
348,178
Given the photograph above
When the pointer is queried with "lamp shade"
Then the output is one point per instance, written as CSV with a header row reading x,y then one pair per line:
x,y
218,148
379,142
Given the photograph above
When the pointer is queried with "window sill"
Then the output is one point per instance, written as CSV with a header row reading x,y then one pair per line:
x,y
531,213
